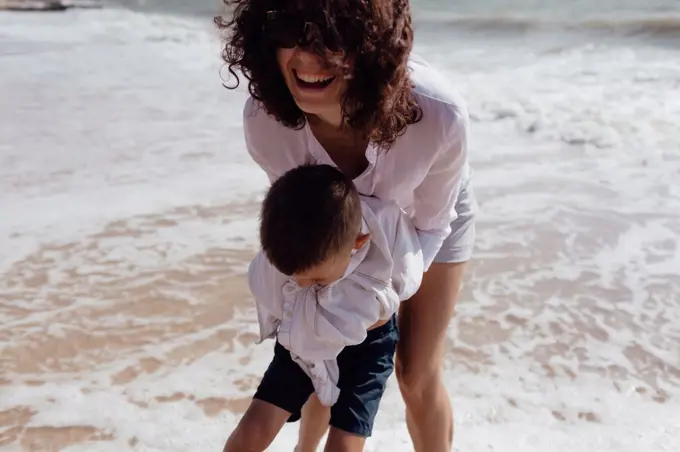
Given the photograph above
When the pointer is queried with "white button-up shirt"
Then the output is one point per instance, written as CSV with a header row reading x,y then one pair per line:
x,y
422,172
316,323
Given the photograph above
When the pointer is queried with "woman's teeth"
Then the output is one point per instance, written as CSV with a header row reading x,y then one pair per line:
x,y
313,78
313,81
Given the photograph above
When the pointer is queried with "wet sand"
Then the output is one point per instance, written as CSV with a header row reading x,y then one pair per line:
x,y
72,310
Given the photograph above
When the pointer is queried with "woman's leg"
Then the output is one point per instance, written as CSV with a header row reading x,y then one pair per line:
x,y
423,321
313,424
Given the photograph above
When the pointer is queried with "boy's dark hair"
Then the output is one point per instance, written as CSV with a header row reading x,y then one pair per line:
x,y
308,214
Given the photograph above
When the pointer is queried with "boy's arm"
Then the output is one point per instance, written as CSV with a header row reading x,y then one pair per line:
x,y
324,321
360,301
265,284
351,309
327,322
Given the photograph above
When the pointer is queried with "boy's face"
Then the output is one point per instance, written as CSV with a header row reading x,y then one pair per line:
x,y
332,269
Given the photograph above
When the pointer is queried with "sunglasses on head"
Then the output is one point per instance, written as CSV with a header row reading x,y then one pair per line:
x,y
287,30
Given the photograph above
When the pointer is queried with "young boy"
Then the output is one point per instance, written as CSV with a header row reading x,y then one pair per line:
x,y
327,283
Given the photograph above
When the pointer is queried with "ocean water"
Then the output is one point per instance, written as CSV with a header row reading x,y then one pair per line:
x,y
128,212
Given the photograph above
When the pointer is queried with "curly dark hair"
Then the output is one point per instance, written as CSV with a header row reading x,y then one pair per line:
x,y
377,34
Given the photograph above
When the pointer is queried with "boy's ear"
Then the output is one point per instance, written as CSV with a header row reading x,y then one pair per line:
x,y
361,240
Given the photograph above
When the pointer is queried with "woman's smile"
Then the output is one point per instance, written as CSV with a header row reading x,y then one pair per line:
x,y
316,89
311,80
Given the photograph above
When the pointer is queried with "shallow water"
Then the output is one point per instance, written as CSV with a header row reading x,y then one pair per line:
x,y
129,210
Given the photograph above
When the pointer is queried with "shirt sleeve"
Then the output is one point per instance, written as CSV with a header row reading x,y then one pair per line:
x,y
265,284
345,317
435,198
326,322
256,138
322,323
408,265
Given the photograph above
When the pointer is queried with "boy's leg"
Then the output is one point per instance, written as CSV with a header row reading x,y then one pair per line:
x,y
282,392
364,371
313,424
342,441
315,419
257,428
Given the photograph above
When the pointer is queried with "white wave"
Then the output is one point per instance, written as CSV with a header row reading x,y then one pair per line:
x,y
102,121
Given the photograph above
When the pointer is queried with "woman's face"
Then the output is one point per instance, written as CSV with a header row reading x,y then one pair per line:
x,y
316,89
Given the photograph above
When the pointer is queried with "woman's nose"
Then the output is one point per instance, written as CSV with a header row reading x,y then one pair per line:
x,y
306,57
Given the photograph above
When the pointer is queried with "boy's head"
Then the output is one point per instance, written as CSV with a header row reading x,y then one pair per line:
x,y
310,222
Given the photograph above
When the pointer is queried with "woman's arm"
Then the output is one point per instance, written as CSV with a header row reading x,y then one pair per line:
x,y
435,198
274,147
257,137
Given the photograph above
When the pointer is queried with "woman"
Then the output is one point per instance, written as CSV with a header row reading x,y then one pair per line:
x,y
334,81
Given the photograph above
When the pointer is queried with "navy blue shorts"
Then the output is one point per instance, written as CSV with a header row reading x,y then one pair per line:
x,y
364,370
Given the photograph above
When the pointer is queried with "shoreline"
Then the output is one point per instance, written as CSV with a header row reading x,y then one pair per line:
x,y
48,5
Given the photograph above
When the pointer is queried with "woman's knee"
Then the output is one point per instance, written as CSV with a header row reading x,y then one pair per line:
x,y
417,382
423,322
